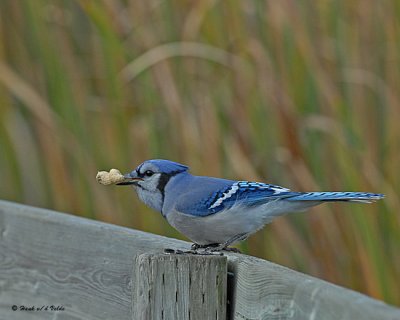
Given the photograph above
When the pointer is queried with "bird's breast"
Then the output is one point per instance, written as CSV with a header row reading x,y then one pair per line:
x,y
215,228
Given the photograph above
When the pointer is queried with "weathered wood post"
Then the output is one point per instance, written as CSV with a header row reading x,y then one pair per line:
x,y
176,286
99,271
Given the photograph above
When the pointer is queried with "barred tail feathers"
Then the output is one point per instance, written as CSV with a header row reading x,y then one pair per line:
x,y
364,197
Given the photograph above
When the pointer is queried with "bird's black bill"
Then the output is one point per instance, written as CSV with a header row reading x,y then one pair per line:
x,y
127,183
129,180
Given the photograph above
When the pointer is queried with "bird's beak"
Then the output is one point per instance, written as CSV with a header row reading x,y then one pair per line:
x,y
130,179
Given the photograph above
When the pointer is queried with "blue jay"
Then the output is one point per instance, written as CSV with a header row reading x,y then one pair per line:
x,y
215,213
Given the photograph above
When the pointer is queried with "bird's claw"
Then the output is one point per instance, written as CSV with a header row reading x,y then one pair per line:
x,y
195,252
176,251
208,249
222,248
215,247
196,246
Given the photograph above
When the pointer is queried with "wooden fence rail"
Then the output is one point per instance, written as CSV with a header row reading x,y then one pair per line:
x,y
59,266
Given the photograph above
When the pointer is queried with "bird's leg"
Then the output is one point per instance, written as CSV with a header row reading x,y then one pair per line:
x,y
194,249
225,246
196,246
179,251
207,249
211,247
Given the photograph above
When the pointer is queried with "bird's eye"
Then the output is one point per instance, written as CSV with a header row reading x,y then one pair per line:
x,y
148,173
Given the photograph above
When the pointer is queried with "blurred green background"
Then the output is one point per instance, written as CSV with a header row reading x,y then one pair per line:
x,y
304,94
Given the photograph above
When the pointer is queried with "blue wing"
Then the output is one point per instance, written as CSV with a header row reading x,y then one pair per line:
x,y
224,194
243,193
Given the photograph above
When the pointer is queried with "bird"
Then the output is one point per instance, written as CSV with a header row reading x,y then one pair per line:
x,y
215,213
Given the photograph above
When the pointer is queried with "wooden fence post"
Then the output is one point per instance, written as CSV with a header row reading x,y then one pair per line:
x,y
49,259
176,286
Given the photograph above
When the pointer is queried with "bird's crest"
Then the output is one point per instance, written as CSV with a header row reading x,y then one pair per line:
x,y
167,166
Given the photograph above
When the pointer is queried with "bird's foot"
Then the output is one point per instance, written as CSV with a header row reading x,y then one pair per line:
x,y
196,246
222,247
196,252
213,247
178,251
204,249
208,249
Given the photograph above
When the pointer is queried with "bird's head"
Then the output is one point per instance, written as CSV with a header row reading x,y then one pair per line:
x,y
150,179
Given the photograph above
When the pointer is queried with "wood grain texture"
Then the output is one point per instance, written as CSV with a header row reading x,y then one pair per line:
x,y
263,290
180,286
48,258
90,268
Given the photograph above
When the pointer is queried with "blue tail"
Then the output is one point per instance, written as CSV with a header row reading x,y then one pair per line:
x,y
337,196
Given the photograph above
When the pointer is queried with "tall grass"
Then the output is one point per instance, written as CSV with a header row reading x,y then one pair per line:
x,y
298,93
